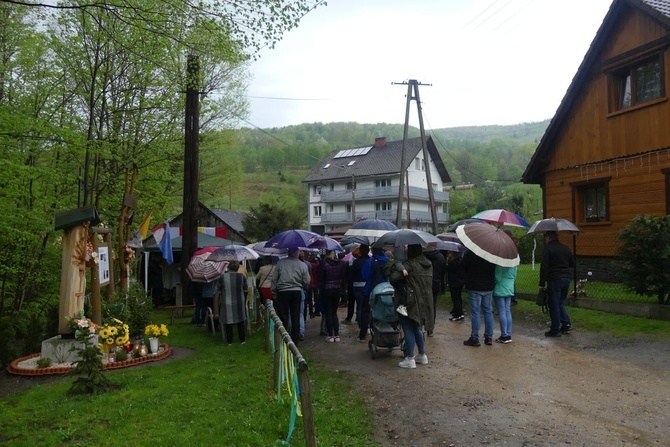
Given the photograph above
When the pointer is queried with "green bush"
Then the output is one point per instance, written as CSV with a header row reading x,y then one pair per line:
x,y
138,310
645,250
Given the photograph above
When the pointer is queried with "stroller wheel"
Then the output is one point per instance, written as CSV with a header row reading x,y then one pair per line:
x,y
373,349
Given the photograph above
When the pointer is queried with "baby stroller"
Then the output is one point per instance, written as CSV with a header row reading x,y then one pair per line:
x,y
386,332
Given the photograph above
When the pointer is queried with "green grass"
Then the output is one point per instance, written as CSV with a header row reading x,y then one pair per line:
x,y
219,395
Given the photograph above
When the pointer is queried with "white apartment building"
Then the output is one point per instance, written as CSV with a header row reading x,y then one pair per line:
x,y
363,183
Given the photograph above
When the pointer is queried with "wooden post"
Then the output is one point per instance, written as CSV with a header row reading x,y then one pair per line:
x,y
306,403
191,172
110,285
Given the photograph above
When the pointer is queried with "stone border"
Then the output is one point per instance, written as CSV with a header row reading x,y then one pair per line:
x,y
164,351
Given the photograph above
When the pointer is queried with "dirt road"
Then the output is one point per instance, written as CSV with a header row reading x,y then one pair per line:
x,y
578,390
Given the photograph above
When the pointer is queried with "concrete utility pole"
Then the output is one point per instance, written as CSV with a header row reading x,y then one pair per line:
x,y
191,171
413,84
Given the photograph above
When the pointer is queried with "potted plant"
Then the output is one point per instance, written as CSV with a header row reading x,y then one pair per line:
x,y
154,331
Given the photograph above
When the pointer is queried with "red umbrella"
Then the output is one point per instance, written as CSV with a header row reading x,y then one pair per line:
x,y
502,217
202,270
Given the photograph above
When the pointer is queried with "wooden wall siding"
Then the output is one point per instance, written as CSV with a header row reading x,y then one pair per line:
x,y
589,134
638,189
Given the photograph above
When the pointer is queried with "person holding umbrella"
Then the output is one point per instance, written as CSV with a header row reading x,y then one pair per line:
x,y
555,272
480,280
289,278
419,303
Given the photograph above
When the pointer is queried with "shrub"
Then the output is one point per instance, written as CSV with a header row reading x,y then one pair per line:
x,y
645,251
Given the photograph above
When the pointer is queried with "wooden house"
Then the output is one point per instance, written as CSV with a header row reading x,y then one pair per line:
x,y
605,156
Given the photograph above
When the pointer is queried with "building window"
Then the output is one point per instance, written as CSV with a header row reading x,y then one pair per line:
x,y
331,208
637,83
423,164
591,201
351,185
316,189
383,183
317,211
417,163
348,208
383,206
332,186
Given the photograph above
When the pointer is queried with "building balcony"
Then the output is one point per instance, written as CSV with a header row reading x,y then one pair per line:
x,y
381,194
417,217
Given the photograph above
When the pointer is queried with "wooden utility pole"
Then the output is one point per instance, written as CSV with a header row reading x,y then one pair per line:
x,y
127,207
191,171
413,85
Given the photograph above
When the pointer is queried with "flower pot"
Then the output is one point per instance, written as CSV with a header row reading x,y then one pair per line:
x,y
153,345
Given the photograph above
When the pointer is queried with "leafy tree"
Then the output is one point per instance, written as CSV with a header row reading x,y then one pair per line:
x,y
645,250
266,220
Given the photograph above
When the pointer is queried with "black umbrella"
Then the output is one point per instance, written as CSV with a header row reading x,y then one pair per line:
x,y
553,224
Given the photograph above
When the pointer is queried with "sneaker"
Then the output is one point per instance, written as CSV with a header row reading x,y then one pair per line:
x,y
361,340
458,318
472,342
552,334
330,339
430,333
337,339
502,339
421,359
301,337
402,310
566,328
488,341
407,363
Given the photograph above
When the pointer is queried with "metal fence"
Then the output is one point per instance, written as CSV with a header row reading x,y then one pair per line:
x,y
598,277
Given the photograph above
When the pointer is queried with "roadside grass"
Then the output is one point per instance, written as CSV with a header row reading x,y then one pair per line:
x,y
223,395
219,395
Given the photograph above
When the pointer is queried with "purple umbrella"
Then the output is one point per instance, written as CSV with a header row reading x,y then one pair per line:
x,y
292,239
331,244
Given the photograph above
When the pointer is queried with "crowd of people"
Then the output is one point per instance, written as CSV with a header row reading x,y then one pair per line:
x,y
305,285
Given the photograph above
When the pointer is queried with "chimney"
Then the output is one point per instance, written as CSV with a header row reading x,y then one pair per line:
x,y
380,141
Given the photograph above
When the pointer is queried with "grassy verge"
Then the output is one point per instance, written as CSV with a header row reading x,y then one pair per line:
x,y
219,395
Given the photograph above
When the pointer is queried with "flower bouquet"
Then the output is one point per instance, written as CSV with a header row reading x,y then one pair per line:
x,y
113,334
154,330
81,326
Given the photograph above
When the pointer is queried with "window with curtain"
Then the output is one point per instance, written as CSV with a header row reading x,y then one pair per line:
x,y
637,83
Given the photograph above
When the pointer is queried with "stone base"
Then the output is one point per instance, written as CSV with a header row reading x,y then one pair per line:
x,y
64,350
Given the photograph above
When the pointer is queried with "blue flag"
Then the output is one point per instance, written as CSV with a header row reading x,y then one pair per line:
x,y
162,236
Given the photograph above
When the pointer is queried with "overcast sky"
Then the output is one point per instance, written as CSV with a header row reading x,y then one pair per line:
x,y
489,62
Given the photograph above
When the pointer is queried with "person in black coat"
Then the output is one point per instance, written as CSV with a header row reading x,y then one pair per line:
x,y
479,282
456,281
555,273
439,266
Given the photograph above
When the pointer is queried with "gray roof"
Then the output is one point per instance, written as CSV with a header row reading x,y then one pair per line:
x,y
662,6
232,218
378,161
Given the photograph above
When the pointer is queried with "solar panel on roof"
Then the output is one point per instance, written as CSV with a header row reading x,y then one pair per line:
x,y
353,152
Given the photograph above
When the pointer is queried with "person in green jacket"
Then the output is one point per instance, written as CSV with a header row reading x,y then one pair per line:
x,y
503,293
419,303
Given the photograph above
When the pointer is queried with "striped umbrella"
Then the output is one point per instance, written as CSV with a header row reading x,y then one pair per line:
x,y
202,270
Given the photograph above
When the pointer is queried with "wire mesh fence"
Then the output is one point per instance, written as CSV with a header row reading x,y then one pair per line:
x,y
598,277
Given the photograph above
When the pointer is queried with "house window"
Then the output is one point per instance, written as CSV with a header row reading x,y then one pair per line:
x,y
417,163
317,211
637,83
348,208
351,185
591,201
316,189
383,183
331,208
423,164
332,186
383,206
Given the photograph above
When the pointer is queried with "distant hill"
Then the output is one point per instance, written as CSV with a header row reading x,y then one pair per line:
x,y
524,132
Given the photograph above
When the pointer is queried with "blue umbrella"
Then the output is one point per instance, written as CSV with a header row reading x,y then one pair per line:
x,y
331,244
292,239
